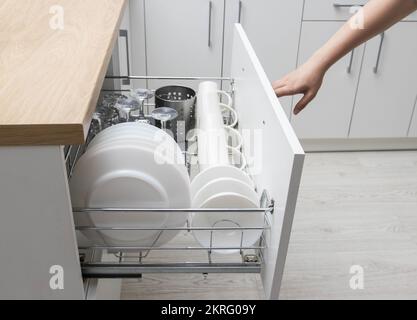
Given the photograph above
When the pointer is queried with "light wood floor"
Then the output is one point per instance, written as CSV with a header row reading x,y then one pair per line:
x,y
353,209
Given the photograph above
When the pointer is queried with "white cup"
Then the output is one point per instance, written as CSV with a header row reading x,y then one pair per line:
x,y
234,138
210,86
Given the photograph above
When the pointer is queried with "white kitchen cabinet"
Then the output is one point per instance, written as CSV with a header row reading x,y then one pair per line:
x,y
184,38
329,114
387,89
273,27
165,41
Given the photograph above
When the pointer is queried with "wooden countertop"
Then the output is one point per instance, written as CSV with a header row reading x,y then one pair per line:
x,y
50,78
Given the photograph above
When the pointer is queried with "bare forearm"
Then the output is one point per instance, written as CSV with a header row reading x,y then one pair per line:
x,y
374,18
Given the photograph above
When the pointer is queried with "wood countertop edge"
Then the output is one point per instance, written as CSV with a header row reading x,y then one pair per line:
x,y
41,135
61,134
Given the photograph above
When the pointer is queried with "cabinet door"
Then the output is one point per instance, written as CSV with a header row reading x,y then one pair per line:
x,y
273,27
184,38
329,114
386,96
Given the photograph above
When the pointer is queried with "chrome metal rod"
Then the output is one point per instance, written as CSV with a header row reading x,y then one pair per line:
x,y
239,17
85,228
170,78
115,90
347,5
352,54
209,22
121,210
119,271
379,53
125,34
77,154
123,248
68,153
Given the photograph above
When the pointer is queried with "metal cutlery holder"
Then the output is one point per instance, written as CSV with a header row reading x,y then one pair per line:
x,y
135,261
182,99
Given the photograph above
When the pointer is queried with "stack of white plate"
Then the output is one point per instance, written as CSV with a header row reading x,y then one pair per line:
x,y
220,184
127,166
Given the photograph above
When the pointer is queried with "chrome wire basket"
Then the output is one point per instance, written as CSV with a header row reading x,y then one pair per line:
x,y
133,261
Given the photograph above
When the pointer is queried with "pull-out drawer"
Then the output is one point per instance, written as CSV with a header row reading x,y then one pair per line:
x,y
277,160
336,10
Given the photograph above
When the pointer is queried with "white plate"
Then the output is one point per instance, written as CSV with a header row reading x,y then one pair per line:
x,y
145,131
230,238
127,189
93,167
165,152
217,172
142,135
114,130
224,185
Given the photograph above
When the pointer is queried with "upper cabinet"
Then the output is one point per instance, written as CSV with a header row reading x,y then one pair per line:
x,y
388,85
329,114
273,27
194,38
184,38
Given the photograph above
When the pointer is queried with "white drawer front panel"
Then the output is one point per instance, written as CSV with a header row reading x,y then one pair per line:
x,y
277,166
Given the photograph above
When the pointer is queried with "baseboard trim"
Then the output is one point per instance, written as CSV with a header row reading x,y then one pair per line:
x,y
340,145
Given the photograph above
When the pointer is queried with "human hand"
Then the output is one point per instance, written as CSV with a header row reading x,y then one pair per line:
x,y
306,80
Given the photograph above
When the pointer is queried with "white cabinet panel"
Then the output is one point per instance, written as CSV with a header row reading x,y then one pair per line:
x,y
329,114
184,38
277,161
273,27
413,127
385,99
